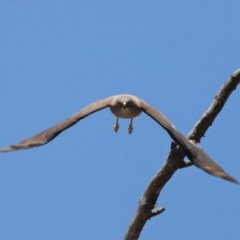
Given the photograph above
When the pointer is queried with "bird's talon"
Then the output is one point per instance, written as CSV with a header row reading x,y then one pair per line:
x,y
116,127
130,129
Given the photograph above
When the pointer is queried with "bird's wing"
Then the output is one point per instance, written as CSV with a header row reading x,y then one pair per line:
x,y
50,133
193,152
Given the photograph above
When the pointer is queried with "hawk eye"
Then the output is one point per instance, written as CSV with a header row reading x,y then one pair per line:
x,y
130,103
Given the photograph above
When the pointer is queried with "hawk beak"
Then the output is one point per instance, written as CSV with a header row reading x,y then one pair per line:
x,y
124,104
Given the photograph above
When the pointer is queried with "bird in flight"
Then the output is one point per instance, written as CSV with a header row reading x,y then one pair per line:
x,y
128,107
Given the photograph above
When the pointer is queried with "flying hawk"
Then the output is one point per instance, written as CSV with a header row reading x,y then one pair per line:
x,y
128,107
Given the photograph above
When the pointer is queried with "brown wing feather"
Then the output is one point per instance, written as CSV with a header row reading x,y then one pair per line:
x,y
193,152
50,133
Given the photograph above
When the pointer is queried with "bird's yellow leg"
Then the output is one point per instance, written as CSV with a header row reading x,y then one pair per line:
x,y
130,128
116,126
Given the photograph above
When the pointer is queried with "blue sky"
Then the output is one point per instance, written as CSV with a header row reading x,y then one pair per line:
x,y
58,56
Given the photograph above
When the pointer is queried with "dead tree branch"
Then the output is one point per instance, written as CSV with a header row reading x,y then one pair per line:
x,y
146,208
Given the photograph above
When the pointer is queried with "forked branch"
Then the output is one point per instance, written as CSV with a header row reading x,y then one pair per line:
x,y
146,208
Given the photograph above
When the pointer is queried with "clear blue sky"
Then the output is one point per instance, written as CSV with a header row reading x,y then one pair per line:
x,y
58,56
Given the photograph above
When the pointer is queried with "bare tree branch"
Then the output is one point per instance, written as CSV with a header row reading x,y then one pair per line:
x,y
219,101
175,161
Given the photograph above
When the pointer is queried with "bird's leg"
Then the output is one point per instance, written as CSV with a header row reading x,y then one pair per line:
x,y
116,126
130,128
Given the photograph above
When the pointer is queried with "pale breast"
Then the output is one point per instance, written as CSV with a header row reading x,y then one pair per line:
x,y
127,112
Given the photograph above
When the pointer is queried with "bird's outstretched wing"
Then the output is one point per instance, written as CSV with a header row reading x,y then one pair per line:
x,y
193,152
50,133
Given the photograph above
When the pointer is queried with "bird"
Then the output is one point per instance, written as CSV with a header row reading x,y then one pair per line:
x,y
128,106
